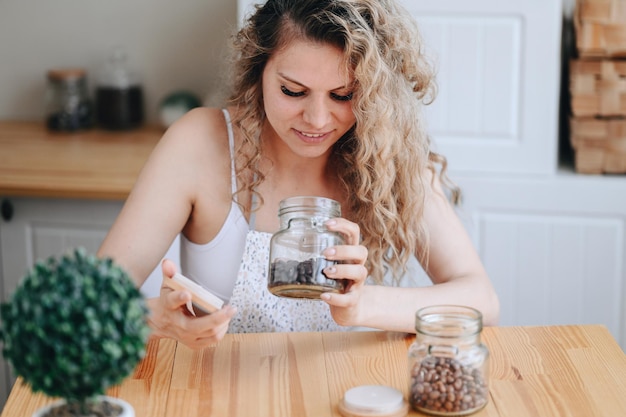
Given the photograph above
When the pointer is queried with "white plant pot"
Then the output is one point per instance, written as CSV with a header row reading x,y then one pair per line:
x,y
127,409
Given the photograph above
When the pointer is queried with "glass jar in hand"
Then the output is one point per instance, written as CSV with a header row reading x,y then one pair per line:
x,y
448,364
296,260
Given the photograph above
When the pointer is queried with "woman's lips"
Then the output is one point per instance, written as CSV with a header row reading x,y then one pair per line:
x,y
311,137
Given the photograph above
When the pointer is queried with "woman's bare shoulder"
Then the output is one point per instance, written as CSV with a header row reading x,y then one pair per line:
x,y
201,133
202,123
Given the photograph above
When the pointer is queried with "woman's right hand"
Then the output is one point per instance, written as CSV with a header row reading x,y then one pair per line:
x,y
169,316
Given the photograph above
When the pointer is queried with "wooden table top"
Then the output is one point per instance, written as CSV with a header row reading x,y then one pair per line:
x,y
36,162
535,372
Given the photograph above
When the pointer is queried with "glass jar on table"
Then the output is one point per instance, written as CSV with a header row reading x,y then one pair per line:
x,y
448,363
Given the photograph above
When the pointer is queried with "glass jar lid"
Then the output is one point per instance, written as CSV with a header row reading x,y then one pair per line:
x,y
66,74
309,203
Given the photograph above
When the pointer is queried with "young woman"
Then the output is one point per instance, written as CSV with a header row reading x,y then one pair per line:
x,y
325,102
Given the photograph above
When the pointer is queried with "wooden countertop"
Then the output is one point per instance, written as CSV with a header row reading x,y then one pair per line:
x,y
554,371
93,163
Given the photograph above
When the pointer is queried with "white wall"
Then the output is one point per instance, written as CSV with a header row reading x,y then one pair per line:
x,y
568,6
173,44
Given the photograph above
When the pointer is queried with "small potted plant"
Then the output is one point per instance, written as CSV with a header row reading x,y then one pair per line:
x,y
75,326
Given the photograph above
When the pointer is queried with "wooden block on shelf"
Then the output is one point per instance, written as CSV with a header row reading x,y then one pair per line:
x,y
615,163
598,87
600,27
589,161
599,145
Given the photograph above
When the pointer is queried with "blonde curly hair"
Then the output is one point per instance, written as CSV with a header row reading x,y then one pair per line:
x,y
381,160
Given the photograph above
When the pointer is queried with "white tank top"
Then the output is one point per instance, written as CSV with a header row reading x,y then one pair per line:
x,y
215,264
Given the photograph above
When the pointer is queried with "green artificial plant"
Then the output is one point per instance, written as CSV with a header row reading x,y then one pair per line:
x,y
75,326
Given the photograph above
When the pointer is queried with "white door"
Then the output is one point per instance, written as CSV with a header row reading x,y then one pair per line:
x,y
498,66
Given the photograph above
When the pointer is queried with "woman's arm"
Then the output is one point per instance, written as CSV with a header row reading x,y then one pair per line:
x,y
155,211
453,266
191,157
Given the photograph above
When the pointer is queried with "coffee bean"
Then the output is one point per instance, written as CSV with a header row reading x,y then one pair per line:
x,y
446,386
308,272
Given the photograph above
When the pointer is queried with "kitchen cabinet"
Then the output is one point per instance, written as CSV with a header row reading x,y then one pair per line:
x,y
554,247
39,228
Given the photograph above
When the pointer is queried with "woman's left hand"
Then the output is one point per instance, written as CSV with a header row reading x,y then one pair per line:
x,y
351,258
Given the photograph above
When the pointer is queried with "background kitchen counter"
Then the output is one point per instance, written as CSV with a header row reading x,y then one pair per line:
x,y
92,164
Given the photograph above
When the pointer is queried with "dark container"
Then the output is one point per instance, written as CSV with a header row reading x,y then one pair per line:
x,y
119,95
119,108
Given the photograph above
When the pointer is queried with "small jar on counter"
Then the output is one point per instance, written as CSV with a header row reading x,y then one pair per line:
x,y
296,260
448,364
68,106
119,95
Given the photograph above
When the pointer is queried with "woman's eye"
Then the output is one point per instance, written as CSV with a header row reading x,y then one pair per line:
x,y
337,97
290,93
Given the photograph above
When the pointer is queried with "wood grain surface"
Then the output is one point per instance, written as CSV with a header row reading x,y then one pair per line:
x,y
550,371
92,163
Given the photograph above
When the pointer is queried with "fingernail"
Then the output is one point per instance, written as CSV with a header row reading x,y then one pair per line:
x,y
190,308
330,270
329,252
331,222
325,296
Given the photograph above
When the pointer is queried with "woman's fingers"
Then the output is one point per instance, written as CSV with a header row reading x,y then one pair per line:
x,y
201,332
211,325
175,299
174,319
168,268
344,301
354,272
349,254
349,229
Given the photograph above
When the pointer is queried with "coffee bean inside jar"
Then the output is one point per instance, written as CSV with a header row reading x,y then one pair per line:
x,y
296,267
306,279
443,386
448,364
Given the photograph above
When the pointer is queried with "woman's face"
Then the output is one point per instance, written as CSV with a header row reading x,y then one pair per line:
x,y
307,97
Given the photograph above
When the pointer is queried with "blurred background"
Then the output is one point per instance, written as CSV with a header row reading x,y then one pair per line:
x,y
170,45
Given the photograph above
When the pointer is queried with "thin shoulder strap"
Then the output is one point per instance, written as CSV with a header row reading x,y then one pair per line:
x,y
231,145
233,175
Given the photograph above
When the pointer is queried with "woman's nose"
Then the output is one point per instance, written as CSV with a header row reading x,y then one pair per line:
x,y
316,112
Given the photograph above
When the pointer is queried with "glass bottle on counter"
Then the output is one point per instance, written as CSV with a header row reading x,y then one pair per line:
x,y
68,106
119,95
296,260
448,364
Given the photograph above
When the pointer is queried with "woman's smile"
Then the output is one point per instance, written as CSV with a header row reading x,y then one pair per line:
x,y
310,137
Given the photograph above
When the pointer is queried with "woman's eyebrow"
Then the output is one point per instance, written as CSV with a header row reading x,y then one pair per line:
x,y
286,78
